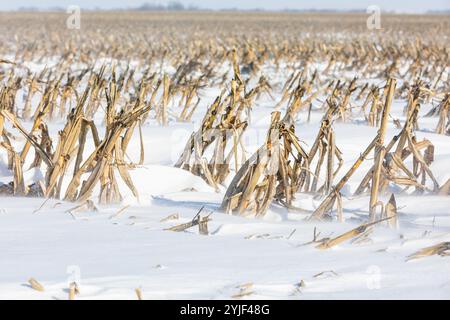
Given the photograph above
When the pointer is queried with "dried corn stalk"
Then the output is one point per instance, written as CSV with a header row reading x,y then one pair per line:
x,y
391,167
108,155
328,243
379,148
441,249
276,171
327,152
443,111
221,131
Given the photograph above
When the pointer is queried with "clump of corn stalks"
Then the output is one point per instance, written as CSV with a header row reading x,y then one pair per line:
x,y
221,131
100,166
327,152
329,201
276,171
443,111
343,106
376,106
17,187
390,167
389,163
289,162
297,85
108,154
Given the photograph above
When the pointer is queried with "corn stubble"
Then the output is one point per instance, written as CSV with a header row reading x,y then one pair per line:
x,y
122,98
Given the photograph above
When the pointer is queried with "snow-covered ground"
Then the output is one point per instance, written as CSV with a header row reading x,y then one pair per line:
x,y
111,252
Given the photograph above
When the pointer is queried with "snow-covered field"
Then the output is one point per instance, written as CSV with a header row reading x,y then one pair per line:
x,y
111,252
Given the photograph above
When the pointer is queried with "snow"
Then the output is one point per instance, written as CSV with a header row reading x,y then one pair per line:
x,y
111,256
116,255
